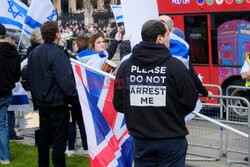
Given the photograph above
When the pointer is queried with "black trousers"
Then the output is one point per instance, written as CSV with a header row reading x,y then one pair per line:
x,y
160,153
53,122
76,112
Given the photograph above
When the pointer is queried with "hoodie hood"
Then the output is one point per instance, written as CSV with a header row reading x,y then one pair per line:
x,y
149,54
7,50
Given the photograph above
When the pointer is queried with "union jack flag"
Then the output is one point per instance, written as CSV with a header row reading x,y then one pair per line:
x,y
108,140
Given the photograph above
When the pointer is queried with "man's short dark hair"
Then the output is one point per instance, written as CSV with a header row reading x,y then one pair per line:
x,y
2,31
150,34
49,30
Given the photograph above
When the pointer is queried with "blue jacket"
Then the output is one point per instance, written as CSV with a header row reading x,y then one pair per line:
x,y
51,77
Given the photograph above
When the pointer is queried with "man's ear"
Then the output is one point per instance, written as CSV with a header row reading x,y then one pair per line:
x,y
159,39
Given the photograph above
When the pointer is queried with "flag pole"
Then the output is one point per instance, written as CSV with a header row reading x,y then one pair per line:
x,y
20,41
92,68
197,114
20,37
221,124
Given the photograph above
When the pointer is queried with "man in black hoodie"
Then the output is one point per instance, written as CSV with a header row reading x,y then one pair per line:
x,y
9,75
155,92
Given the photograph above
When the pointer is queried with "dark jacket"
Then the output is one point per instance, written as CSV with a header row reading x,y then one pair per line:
x,y
33,46
155,92
125,48
51,78
9,68
197,82
112,48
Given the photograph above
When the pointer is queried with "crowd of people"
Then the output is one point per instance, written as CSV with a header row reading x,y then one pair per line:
x,y
156,123
71,31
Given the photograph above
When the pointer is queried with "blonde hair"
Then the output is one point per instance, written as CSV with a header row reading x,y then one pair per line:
x,y
36,37
10,40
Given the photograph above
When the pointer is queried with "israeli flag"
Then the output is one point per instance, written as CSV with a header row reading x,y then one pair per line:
x,y
117,11
179,48
12,14
39,12
19,99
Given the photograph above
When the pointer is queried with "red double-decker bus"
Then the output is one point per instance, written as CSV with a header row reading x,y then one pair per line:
x,y
218,32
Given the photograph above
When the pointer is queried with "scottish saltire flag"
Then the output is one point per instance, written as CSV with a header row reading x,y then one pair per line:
x,y
12,14
19,100
109,143
39,12
117,11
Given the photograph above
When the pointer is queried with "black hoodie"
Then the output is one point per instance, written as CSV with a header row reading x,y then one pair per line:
x,y
155,92
9,68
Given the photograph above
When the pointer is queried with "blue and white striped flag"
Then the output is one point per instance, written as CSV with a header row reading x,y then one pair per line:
x,y
117,11
12,14
39,12
179,48
19,100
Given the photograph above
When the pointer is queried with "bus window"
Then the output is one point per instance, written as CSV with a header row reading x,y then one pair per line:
x,y
197,37
227,47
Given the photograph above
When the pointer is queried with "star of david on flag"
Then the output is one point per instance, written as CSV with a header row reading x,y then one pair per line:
x,y
12,8
109,143
52,15
39,12
12,14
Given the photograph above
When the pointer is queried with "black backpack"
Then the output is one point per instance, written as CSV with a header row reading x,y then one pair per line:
x,y
25,78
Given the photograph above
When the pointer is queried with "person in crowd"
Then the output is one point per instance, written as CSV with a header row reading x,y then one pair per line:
x,y
179,33
10,74
113,33
155,108
86,30
76,31
168,21
94,31
35,40
245,71
11,114
54,90
104,31
99,30
81,44
96,54
245,74
68,37
109,29
96,25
